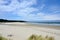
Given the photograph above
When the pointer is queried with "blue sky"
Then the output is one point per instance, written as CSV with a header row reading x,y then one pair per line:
x,y
30,10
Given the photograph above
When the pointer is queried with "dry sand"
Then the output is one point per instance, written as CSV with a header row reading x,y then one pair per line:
x,y
21,31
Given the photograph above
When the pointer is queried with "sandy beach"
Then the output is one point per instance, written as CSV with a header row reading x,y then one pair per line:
x,y
21,31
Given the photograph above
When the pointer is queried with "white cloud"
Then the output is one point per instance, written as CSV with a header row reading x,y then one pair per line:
x,y
51,17
24,10
54,8
38,16
15,5
43,16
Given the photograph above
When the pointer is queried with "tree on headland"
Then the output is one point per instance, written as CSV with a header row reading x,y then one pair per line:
x,y
4,20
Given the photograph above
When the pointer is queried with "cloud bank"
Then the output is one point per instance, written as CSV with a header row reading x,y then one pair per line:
x,y
26,10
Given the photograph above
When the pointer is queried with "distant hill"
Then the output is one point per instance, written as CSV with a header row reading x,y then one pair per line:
x,y
4,20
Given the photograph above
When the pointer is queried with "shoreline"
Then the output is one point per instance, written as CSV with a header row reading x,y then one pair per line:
x,y
30,24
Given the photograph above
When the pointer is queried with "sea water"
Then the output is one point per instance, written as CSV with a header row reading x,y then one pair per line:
x,y
46,23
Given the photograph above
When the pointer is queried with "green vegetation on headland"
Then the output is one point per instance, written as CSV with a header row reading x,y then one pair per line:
x,y
36,37
4,20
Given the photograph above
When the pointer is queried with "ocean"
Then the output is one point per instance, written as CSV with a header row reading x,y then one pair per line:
x,y
46,23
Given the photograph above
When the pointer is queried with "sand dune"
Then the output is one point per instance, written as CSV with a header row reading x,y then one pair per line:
x,y
21,31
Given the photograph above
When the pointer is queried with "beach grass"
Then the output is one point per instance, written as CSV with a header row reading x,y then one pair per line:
x,y
3,38
36,37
